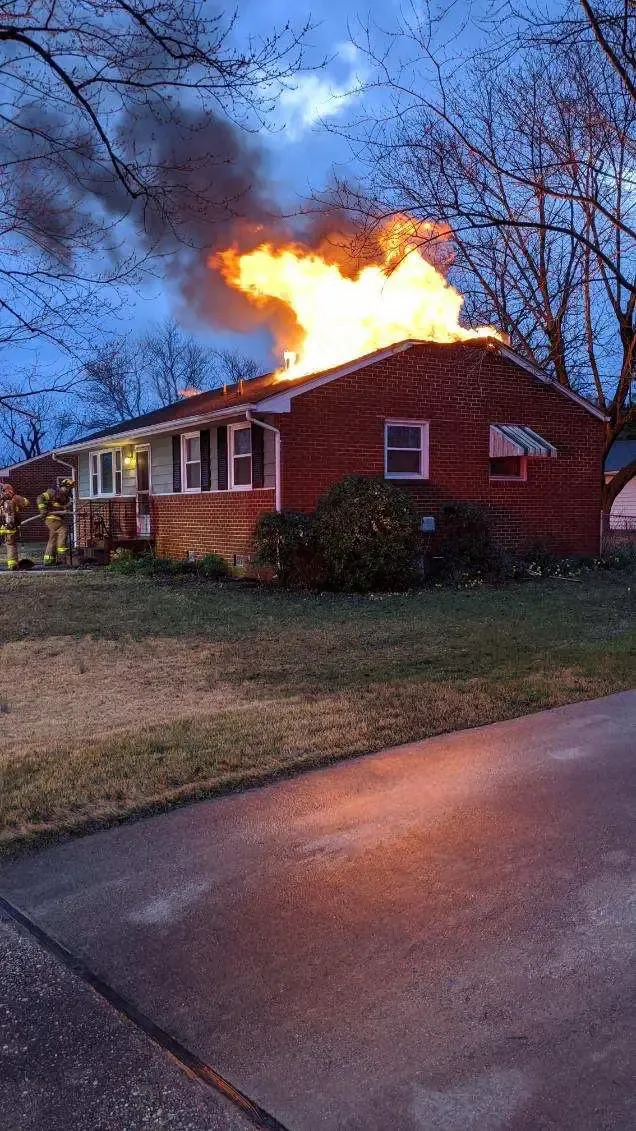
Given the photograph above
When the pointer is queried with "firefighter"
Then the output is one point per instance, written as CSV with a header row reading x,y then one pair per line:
x,y
54,505
11,504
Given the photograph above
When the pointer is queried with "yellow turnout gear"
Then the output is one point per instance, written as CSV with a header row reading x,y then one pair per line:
x,y
58,536
10,507
54,504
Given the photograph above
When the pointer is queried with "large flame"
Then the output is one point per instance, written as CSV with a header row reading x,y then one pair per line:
x,y
341,315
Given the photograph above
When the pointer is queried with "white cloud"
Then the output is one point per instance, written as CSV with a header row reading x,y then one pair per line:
x,y
316,97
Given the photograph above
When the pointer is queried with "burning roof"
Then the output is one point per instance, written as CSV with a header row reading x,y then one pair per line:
x,y
330,309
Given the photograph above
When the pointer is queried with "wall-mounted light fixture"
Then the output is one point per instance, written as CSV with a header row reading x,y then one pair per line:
x,y
130,459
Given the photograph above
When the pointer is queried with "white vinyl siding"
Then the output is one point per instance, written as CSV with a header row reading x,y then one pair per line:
x,y
623,512
161,465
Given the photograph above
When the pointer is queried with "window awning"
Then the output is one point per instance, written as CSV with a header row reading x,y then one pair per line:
x,y
516,440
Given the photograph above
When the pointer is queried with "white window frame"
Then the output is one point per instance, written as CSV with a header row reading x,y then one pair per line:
x,y
118,470
523,460
423,426
184,480
231,432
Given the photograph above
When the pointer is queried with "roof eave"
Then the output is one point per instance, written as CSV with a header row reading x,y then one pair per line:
x,y
175,424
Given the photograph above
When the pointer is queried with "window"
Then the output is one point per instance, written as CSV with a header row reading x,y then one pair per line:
x,y
405,449
241,461
507,467
106,472
191,460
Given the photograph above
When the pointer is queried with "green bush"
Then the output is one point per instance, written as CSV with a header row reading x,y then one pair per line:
x,y
212,566
620,557
465,550
127,562
368,535
286,543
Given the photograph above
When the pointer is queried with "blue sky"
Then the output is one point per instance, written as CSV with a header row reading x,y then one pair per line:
x,y
302,153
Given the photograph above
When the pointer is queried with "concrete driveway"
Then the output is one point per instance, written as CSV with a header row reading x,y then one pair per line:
x,y
436,937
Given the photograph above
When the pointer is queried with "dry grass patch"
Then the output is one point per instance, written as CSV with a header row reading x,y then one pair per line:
x,y
64,693
120,696
194,757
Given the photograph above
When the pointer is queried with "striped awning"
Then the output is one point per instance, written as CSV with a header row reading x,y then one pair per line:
x,y
517,440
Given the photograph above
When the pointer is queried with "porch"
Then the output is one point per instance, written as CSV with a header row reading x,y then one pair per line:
x,y
100,526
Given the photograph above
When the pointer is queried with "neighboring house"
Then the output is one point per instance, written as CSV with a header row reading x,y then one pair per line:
x,y
30,477
468,421
623,512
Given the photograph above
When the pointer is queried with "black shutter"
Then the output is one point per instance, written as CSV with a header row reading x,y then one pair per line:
x,y
258,456
176,463
205,459
221,451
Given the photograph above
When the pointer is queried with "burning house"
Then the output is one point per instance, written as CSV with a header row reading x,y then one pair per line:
x,y
380,378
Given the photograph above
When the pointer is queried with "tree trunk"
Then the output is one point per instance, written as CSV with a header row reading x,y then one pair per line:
x,y
615,485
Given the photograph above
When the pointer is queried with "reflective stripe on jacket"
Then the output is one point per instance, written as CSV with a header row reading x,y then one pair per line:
x,y
55,499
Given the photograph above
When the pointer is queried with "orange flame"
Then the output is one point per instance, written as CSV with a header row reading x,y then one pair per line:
x,y
341,316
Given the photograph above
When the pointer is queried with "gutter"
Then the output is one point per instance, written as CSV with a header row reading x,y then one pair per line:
x,y
276,431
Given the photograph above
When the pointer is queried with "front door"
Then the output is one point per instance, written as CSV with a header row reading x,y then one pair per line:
x,y
142,463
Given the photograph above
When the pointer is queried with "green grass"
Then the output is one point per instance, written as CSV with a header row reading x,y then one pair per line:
x,y
300,679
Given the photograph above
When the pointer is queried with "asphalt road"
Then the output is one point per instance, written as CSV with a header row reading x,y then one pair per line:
x,y
438,937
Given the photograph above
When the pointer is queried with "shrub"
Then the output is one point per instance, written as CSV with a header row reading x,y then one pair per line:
x,y
212,566
368,535
620,557
286,542
465,551
127,562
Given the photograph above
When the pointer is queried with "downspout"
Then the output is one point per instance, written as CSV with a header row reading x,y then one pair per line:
x,y
276,431
70,467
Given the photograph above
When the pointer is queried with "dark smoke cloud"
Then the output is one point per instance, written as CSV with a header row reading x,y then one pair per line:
x,y
209,188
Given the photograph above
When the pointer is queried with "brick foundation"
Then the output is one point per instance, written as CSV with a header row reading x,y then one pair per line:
x,y
219,522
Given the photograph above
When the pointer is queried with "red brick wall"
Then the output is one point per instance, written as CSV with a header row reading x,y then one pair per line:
x,y
338,429
220,522
31,479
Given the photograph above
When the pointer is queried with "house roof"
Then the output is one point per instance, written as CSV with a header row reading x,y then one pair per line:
x,y
620,454
270,393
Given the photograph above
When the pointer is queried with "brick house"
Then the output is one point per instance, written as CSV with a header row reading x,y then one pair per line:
x,y
466,421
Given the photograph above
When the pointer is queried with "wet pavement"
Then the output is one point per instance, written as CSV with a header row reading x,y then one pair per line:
x,y
436,937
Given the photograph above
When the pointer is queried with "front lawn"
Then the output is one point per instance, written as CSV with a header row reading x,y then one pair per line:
x,y
120,695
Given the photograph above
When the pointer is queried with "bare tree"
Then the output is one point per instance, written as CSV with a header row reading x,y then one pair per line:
x,y
113,388
529,156
134,376
23,436
232,366
610,25
173,361
125,130
38,425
